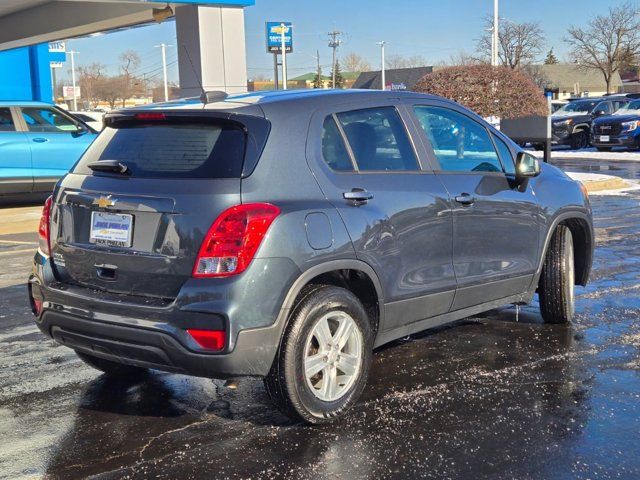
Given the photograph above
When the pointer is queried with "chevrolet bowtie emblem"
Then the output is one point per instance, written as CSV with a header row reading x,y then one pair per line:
x,y
104,202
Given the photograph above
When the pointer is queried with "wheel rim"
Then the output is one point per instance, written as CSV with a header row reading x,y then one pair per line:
x,y
333,356
570,274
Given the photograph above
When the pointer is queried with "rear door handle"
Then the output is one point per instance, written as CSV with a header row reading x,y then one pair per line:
x,y
40,140
465,199
358,196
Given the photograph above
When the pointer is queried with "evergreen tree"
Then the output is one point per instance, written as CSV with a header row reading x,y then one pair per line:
x,y
339,77
551,58
317,80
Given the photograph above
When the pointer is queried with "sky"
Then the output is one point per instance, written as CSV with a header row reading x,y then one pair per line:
x,y
434,29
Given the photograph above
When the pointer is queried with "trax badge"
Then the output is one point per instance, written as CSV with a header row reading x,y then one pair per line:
x,y
104,202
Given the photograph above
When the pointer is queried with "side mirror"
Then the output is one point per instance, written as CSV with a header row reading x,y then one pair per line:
x,y
527,166
599,113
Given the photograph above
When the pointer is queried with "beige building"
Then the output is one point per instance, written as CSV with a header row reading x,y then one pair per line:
x,y
569,80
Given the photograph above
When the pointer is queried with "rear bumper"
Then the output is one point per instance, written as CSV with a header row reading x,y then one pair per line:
x,y
152,333
253,355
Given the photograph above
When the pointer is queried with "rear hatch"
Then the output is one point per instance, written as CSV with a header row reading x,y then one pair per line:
x,y
132,214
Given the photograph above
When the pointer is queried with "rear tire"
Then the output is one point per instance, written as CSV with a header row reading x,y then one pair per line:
x,y
113,369
557,281
322,396
579,140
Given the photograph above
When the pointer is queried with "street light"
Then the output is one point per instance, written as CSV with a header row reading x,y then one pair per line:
x,y
73,78
382,66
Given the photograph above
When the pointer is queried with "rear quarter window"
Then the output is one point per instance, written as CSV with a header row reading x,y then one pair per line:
x,y
171,150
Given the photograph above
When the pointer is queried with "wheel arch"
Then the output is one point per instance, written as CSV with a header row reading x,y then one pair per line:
x,y
583,242
333,273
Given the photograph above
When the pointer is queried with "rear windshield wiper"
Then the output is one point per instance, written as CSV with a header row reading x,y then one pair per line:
x,y
110,166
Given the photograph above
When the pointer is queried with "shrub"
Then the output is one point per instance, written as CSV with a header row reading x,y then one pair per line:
x,y
487,90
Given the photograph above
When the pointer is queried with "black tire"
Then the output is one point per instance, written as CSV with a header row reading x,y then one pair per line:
x,y
556,287
604,149
113,369
286,383
579,140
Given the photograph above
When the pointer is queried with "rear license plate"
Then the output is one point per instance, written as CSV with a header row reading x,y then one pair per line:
x,y
605,138
112,229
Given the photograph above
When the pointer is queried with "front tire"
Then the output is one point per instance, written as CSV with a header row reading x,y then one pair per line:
x,y
557,281
324,358
579,140
112,369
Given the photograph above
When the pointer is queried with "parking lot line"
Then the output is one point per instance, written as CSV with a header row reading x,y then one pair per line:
x,y
14,252
16,242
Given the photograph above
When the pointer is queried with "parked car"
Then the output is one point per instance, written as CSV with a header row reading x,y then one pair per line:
x,y
93,119
39,143
622,129
286,235
571,124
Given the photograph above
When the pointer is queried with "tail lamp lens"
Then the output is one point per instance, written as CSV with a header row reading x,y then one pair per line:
x,y
233,239
44,228
209,339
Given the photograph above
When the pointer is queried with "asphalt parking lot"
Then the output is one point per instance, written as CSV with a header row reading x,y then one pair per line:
x,y
496,396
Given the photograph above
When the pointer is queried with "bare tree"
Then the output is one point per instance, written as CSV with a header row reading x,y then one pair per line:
x,y
608,43
400,61
463,58
355,63
130,62
88,77
520,43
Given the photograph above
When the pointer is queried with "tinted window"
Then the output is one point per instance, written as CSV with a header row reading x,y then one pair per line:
x,y
333,150
171,150
378,140
505,155
6,121
460,144
47,120
603,107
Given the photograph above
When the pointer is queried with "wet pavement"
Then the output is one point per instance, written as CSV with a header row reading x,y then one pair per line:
x,y
500,395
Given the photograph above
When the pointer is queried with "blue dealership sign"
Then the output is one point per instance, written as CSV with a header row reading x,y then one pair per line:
x,y
274,37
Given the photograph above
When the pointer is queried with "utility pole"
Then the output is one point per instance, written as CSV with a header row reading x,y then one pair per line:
x,y
283,46
383,80
495,39
163,47
319,70
334,43
73,54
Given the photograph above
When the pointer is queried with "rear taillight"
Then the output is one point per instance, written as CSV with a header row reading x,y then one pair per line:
x,y
233,239
44,229
209,339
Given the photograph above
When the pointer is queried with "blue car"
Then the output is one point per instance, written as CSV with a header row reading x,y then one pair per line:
x,y
622,129
39,143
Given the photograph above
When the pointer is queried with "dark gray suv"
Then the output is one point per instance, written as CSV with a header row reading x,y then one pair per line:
x,y
287,234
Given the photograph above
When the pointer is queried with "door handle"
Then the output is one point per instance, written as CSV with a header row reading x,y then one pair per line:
x,y
40,140
465,199
358,196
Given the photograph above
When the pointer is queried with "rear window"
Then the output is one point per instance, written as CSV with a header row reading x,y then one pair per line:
x,y
171,150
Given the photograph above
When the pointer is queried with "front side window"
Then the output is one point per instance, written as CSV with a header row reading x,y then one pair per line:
x,y
603,107
6,121
460,144
378,140
47,120
334,151
505,155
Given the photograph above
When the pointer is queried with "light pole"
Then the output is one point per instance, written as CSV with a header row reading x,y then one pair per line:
x,y
495,39
163,47
283,46
382,66
73,54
